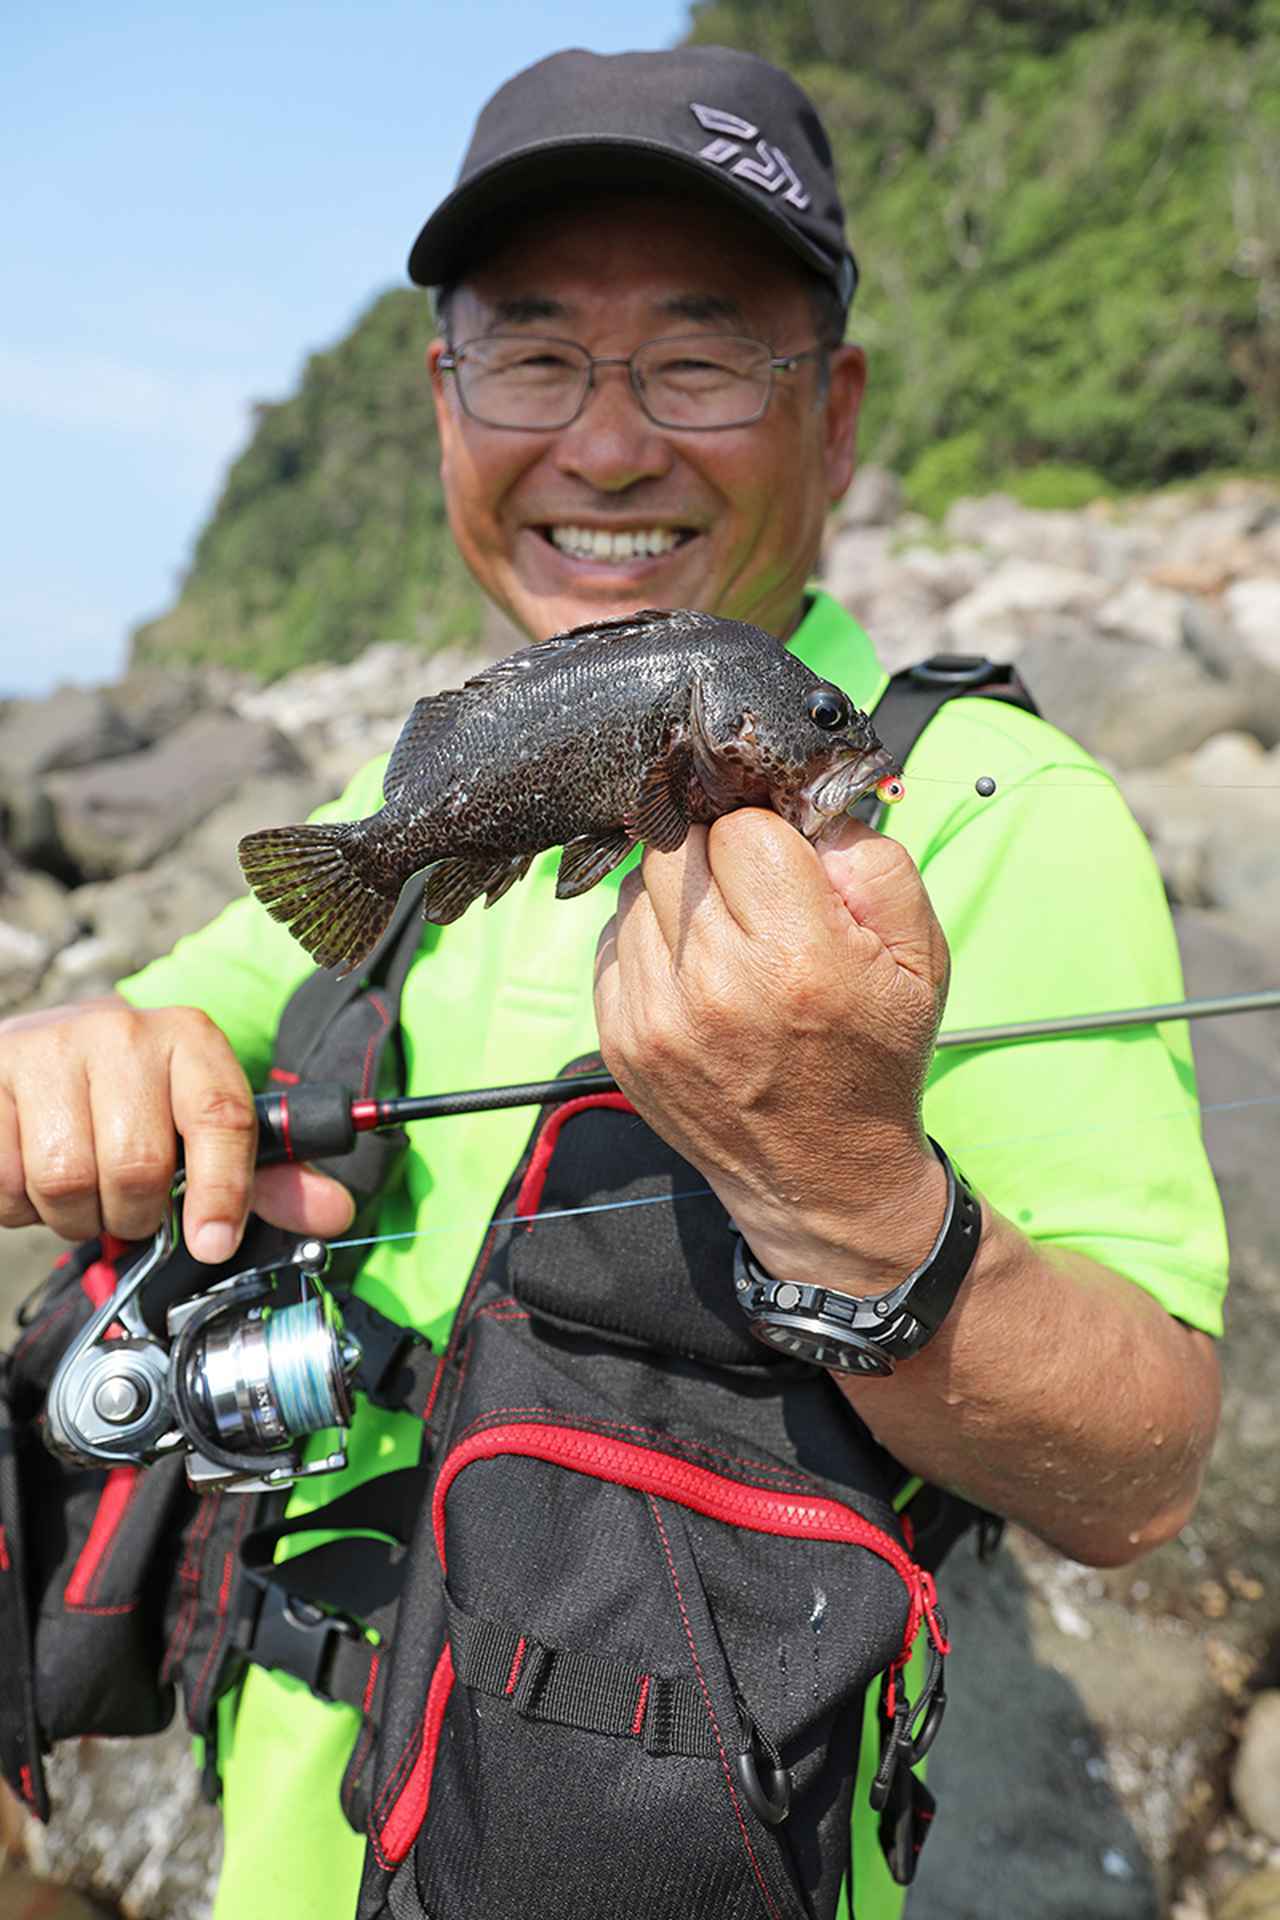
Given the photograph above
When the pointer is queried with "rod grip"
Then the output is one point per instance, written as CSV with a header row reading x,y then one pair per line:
x,y
311,1121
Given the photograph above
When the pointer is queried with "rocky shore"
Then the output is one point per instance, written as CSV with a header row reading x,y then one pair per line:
x,y
1114,1746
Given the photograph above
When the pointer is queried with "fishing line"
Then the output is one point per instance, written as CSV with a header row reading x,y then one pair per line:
x,y
481,1221
1108,782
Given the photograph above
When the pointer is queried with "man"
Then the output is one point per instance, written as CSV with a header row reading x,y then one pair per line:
x,y
771,1010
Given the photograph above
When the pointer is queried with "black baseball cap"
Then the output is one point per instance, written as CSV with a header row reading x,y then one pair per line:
x,y
712,120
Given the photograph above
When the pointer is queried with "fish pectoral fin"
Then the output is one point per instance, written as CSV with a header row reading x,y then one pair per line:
x,y
660,816
721,765
588,859
452,885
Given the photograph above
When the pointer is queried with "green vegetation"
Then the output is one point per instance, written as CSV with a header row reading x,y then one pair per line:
x,y
330,532
1067,214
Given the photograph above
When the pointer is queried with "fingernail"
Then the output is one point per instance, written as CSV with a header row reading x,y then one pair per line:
x,y
213,1242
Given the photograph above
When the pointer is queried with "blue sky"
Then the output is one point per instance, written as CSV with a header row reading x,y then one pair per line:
x,y
195,199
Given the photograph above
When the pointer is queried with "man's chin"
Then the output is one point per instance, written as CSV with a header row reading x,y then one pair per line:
x,y
556,594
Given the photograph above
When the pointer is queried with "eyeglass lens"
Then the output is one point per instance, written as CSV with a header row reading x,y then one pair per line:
x,y
692,380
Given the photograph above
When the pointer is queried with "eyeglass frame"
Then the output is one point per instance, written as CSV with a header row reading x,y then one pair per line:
x,y
775,363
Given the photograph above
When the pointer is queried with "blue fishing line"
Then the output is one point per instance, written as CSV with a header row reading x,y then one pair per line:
x,y
702,1193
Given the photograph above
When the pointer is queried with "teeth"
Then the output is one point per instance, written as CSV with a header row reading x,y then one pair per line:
x,y
593,543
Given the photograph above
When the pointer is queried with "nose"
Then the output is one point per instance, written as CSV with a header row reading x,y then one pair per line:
x,y
612,444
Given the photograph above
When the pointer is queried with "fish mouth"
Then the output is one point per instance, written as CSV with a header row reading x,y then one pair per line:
x,y
833,792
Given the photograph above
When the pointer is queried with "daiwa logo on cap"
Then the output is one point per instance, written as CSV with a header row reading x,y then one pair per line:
x,y
765,165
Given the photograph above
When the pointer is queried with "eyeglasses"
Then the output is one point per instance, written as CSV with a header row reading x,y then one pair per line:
x,y
696,382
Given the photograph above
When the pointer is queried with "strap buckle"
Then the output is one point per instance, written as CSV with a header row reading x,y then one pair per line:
x,y
292,1634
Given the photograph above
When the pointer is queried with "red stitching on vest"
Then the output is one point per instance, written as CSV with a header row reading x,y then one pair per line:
x,y
379,1006
711,1713
516,1665
113,1502
223,1618
637,1722
406,1817
529,1198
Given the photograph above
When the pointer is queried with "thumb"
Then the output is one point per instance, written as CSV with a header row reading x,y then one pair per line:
x,y
302,1201
881,887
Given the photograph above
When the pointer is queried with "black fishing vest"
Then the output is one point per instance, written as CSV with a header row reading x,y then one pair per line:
x,y
144,1588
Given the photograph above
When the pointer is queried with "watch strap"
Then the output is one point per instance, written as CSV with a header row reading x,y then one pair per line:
x,y
866,1333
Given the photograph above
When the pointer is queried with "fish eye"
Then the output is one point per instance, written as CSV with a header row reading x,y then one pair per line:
x,y
827,708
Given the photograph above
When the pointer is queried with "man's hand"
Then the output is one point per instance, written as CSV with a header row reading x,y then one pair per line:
x,y
92,1099
771,1010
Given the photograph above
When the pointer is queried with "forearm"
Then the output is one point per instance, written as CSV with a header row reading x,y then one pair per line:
x,y
1059,1394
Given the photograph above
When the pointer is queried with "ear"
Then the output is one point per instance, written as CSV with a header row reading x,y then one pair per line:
x,y
846,385
444,401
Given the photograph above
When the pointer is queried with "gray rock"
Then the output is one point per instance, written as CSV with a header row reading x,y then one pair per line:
x,y
23,959
1207,634
1253,608
1129,704
74,727
947,574
130,1822
859,565
155,700
1139,611
1017,589
1211,534
108,820
1255,1777
874,500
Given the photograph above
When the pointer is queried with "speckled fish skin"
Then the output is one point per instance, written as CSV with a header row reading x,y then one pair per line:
x,y
614,733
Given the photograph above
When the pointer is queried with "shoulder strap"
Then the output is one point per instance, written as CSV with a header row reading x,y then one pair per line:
x,y
348,1030
916,694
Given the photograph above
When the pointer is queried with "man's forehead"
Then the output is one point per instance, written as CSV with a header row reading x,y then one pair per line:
x,y
682,260
697,309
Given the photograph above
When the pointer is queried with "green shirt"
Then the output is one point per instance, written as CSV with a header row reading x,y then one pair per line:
x,y
1052,905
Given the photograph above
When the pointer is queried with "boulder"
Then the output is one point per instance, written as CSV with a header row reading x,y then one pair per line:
x,y
1255,1777
1128,703
1139,611
874,500
1253,608
1016,590
130,1821
111,819
858,566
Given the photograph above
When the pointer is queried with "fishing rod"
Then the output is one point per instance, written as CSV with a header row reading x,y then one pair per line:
x,y
314,1121
236,1371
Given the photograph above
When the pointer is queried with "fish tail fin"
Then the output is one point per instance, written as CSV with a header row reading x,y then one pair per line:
x,y
312,879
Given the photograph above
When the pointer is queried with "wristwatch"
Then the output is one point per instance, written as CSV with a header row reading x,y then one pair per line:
x,y
867,1333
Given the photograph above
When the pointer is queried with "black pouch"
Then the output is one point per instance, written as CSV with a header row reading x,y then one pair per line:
x,y
659,1570
86,1555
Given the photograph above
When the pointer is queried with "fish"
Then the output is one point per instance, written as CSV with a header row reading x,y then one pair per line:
x,y
621,731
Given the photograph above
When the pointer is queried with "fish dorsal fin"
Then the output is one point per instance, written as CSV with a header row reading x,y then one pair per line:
x,y
431,717
602,633
436,712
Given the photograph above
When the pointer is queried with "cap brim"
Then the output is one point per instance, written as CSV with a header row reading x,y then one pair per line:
x,y
476,216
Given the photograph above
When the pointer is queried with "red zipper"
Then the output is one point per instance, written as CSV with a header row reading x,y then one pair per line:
x,y
734,1502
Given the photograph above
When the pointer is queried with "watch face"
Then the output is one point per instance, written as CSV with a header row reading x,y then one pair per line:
x,y
802,1337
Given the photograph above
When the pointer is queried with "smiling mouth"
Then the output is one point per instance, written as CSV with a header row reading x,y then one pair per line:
x,y
616,547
